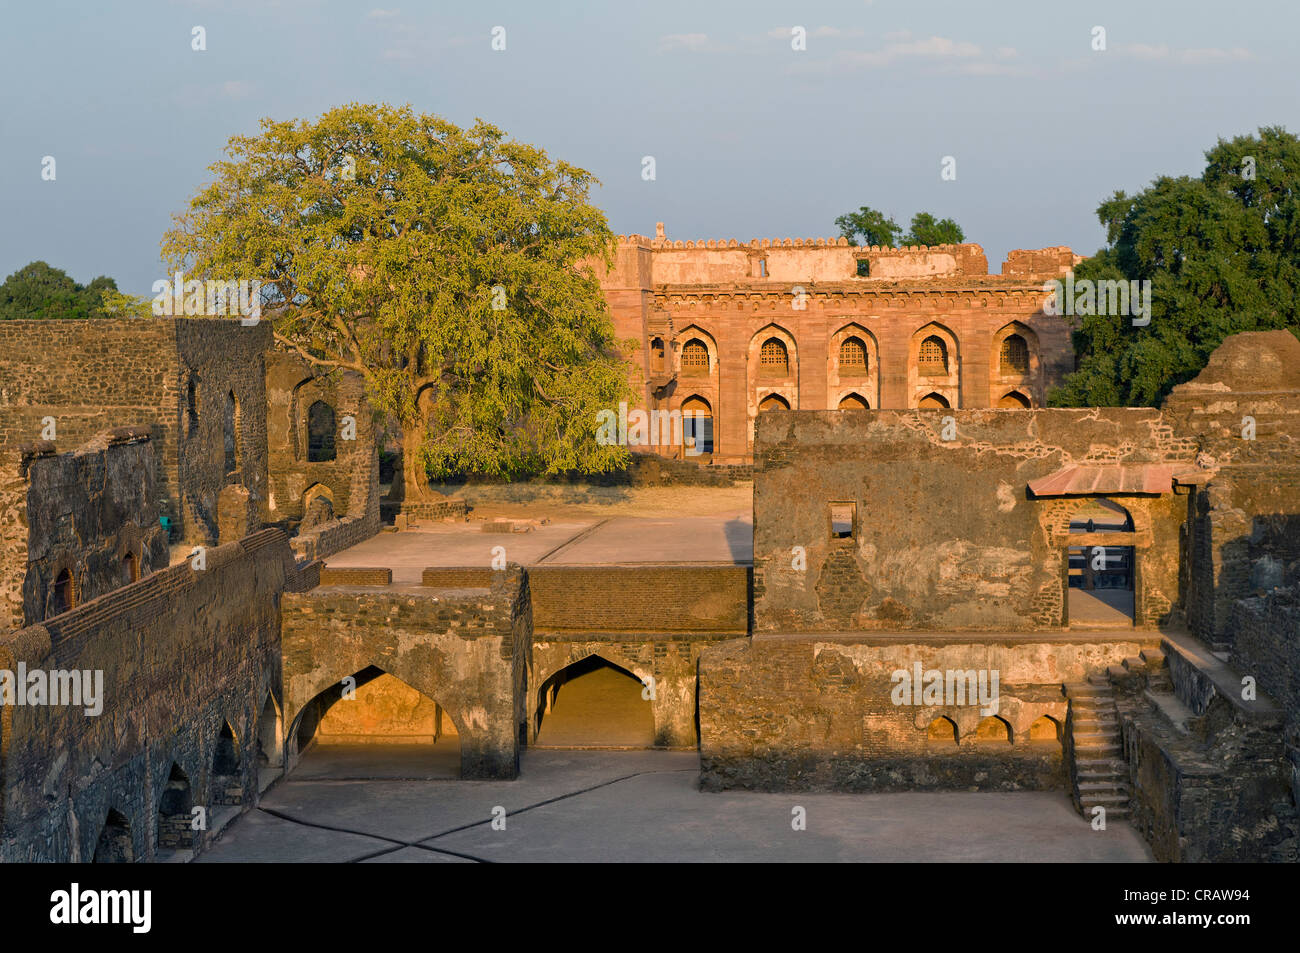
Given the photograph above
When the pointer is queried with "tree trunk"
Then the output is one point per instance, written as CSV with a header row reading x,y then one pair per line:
x,y
411,480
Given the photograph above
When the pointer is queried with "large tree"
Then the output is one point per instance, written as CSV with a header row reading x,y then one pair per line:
x,y
38,290
867,226
927,230
1222,253
455,269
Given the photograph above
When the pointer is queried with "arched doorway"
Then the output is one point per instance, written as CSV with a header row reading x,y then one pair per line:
x,y
773,402
175,812
1014,400
594,703
114,843
697,426
227,785
853,402
1102,577
933,402
374,725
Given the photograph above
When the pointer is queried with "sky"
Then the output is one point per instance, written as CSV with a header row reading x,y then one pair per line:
x,y
751,138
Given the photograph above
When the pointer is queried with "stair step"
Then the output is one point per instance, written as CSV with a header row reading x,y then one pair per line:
x,y
1152,656
1116,671
1102,787
1134,664
1105,800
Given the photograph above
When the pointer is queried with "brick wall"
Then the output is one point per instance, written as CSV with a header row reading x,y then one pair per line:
x,y
692,597
800,713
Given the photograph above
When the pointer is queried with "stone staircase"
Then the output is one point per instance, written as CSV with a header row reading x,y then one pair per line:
x,y
1100,774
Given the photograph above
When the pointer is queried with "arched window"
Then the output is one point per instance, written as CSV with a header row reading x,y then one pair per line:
x,y
695,357
853,357
773,359
773,402
697,425
992,730
64,596
1015,355
942,731
130,568
229,426
853,402
320,432
933,402
933,357
1014,400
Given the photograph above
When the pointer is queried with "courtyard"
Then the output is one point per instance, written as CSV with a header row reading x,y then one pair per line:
x,y
642,806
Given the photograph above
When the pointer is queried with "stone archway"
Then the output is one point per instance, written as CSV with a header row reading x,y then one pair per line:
x,y
373,724
594,703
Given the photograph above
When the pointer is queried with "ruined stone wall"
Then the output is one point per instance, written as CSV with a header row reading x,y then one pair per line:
x,y
465,649
84,512
1266,645
947,537
1243,536
94,375
1209,775
349,480
803,713
182,653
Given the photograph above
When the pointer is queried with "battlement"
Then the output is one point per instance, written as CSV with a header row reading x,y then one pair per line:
x,y
642,261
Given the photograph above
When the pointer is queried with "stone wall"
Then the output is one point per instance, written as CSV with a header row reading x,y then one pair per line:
x,y
680,597
95,375
465,649
946,534
92,513
809,713
346,473
1209,776
1267,646
182,653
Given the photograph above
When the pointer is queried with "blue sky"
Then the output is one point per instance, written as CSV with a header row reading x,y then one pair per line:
x,y
751,138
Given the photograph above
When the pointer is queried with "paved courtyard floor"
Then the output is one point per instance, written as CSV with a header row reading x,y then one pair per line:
x,y
645,806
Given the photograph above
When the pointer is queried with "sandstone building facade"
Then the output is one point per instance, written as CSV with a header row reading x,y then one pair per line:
x,y
727,330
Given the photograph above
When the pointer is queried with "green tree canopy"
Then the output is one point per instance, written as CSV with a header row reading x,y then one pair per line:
x,y
38,290
926,230
454,269
1222,253
867,226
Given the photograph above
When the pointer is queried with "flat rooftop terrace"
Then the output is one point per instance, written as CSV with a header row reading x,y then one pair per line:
x,y
726,538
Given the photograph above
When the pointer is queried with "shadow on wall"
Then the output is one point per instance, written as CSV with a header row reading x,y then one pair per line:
x,y
373,724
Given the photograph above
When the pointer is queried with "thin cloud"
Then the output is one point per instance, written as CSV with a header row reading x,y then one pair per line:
x,y
688,42
378,14
1164,53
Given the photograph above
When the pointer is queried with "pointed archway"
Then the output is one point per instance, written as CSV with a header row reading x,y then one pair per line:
x,y
373,725
593,703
